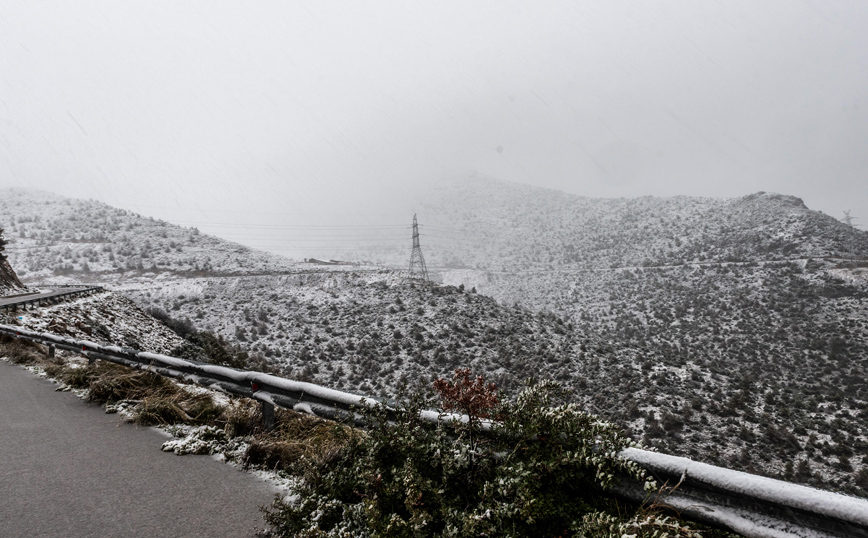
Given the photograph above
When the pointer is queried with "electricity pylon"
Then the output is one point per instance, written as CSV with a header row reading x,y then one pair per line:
x,y
417,261
852,239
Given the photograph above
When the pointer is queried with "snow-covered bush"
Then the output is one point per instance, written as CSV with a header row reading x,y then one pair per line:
x,y
538,472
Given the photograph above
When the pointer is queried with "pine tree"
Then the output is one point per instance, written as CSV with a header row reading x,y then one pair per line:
x,y
2,245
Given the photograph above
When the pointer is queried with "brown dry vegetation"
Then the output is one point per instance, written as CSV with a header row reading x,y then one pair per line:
x,y
297,440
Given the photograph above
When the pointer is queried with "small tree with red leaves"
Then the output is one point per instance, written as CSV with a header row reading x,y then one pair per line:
x,y
468,395
473,397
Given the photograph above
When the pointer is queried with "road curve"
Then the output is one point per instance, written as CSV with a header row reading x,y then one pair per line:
x,y
68,469
42,295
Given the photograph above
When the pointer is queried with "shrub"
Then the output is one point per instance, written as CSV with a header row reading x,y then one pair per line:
x,y
861,479
181,327
536,473
2,246
205,346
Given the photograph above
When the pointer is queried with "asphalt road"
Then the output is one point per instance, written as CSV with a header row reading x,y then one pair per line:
x,y
69,470
41,295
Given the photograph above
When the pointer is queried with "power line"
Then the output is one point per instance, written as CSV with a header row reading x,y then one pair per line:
x,y
294,226
296,235
328,226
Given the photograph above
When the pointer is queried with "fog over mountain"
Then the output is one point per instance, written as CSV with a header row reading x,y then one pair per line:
x,y
247,120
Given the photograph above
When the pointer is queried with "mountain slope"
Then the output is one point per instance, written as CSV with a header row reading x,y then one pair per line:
x,y
371,331
728,322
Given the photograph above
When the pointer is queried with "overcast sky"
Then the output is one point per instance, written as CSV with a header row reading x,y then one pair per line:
x,y
288,112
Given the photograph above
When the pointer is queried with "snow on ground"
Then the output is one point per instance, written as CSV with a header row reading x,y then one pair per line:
x,y
106,318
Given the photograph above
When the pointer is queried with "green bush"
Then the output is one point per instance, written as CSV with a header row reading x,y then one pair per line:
x,y
541,470
204,346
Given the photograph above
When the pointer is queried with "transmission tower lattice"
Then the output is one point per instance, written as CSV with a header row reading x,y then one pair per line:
x,y
417,261
852,239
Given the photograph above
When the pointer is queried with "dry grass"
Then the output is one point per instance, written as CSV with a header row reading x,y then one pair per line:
x,y
112,383
159,400
21,351
295,439
243,418
180,408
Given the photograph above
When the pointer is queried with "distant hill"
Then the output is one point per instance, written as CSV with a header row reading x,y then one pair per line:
x,y
52,237
497,226
730,331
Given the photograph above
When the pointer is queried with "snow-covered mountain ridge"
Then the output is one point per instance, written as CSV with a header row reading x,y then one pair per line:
x,y
53,236
511,227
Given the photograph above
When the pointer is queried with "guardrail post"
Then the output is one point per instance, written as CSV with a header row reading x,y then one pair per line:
x,y
267,415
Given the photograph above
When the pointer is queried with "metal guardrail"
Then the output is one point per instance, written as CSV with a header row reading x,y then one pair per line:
x,y
39,298
753,506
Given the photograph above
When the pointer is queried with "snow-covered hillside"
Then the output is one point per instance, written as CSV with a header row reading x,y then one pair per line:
x,y
745,348
371,332
106,318
731,322
497,226
52,237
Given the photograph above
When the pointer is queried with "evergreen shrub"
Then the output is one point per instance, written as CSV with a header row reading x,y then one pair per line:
x,y
525,467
